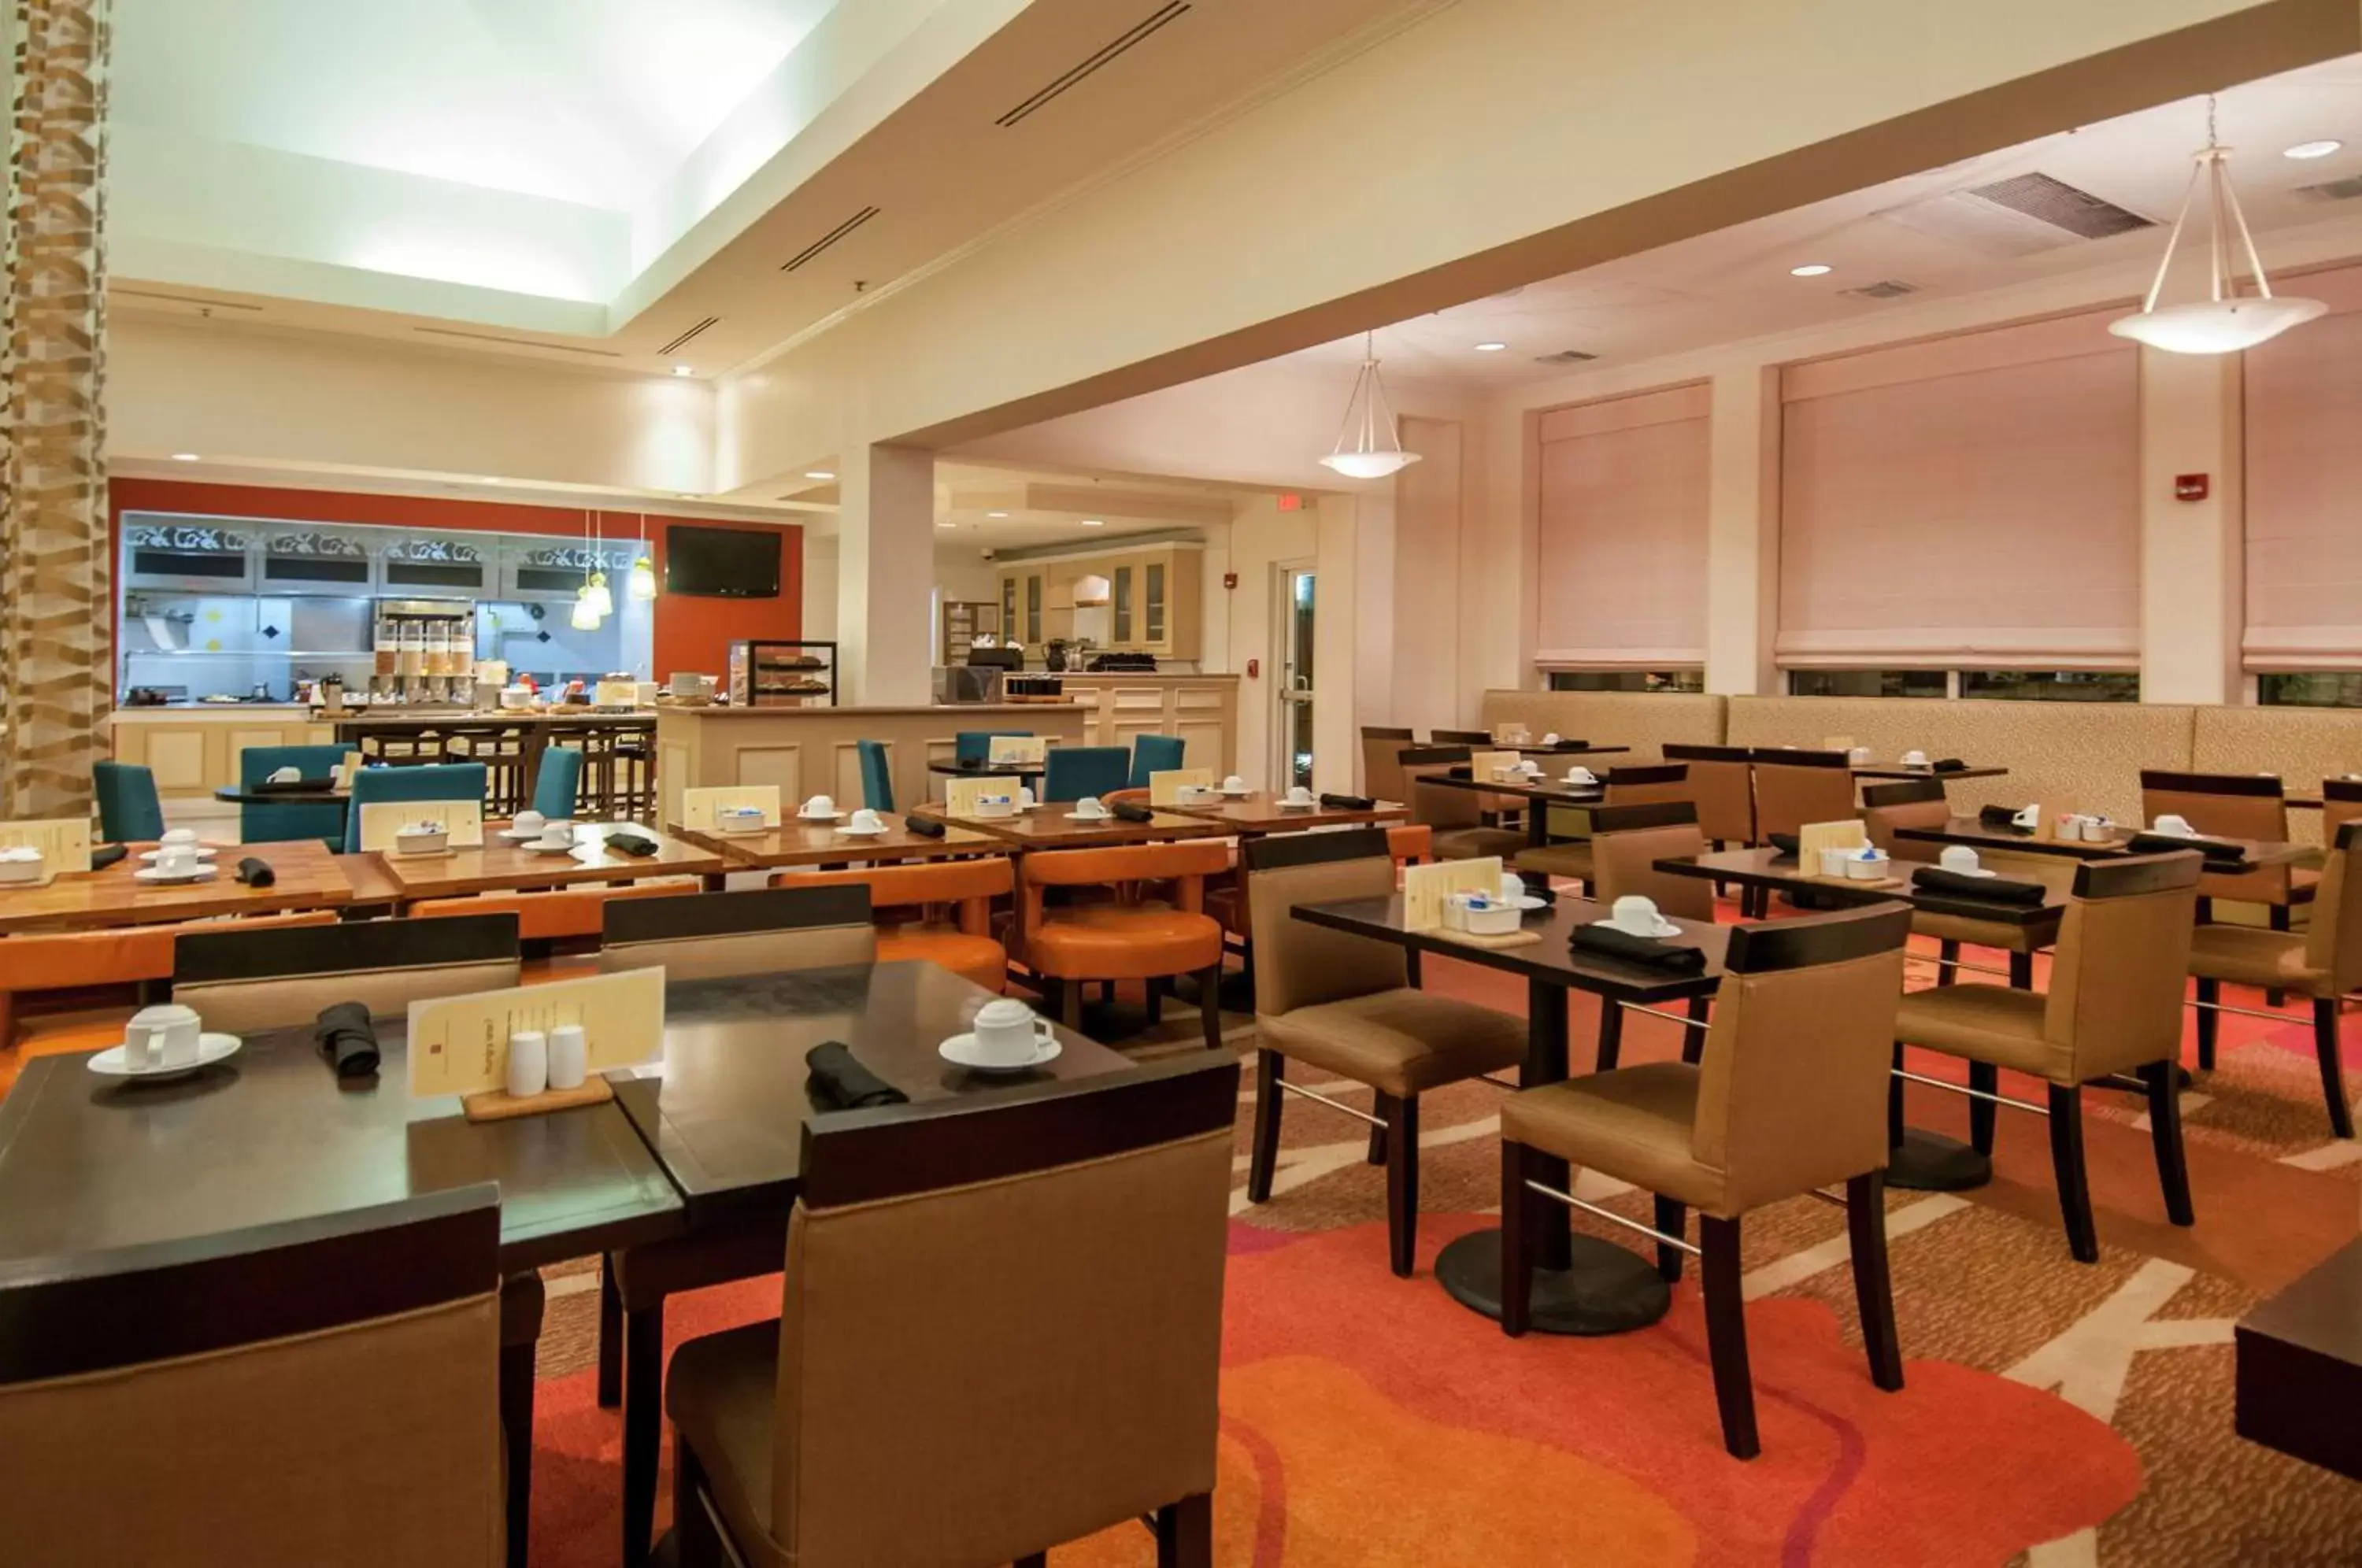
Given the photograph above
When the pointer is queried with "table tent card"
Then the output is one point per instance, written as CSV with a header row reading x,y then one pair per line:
x,y
1426,888
1018,751
64,841
699,806
460,1044
462,820
1166,789
960,795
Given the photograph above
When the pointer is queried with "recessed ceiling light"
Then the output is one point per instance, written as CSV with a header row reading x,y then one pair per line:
x,y
688,495
184,457
1490,347
2311,149
491,478
1093,523
996,514
1811,270
684,371
818,474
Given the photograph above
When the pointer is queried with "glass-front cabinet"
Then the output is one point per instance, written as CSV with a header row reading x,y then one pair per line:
x,y
1152,601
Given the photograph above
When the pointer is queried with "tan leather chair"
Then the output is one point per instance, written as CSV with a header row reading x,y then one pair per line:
x,y
566,914
1920,803
244,982
1787,1098
34,962
2113,1007
996,1337
1456,816
1627,842
2340,802
1621,787
320,1391
1722,782
1793,787
760,931
1381,749
1344,1004
1460,737
2234,805
2322,962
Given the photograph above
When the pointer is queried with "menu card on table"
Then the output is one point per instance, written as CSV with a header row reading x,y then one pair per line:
x,y
64,841
699,806
1018,751
460,1044
1813,837
1485,765
960,795
1511,734
382,820
1164,789
1426,888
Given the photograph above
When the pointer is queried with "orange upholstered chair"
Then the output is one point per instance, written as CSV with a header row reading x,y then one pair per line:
x,y
549,917
964,944
1410,844
1149,940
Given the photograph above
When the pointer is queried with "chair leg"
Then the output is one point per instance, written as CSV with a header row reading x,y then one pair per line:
x,y
1894,1101
2165,1132
610,1337
1873,1286
1184,1532
2067,1165
1672,1213
1263,1157
1949,951
1209,1003
1032,1560
2279,916
643,1427
1070,1002
1517,1240
1377,1146
2210,992
2020,971
1402,1180
696,1539
1726,1334
1693,1040
1985,1079
516,1379
2332,1073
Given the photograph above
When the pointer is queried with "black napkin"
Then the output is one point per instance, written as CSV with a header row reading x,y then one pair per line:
x,y
926,827
1133,812
1609,942
1565,745
1987,889
1348,802
1785,842
840,1082
637,844
294,786
2003,817
2217,851
107,855
1948,765
347,1039
255,872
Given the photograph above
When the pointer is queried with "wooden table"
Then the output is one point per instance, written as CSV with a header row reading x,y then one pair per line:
x,y
239,795
1583,1285
1542,793
1980,835
794,843
2300,1367
308,879
1942,775
498,866
1052,827
1764,866
1259,812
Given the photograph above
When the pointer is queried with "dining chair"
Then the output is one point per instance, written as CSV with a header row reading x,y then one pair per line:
x,y
1381,749
964,944
1786,1099
244,982
1154,753
279,823
1920,803
1454,817
2340,802
1345,1004
954,1267
1070,945
2234,805
708,936
877,775
128,808
1075,771
556,786
562,914
1460,737
1627,842
1646,786
424,783
1793,787
971,748
2113,1008
319,1390
2322,963
1410,844
1722,782
34,962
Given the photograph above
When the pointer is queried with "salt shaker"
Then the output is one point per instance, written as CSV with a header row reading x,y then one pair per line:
x,y
528,1063
570,1057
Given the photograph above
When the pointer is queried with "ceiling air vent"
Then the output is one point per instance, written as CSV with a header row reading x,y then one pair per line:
x,y
676,346
2061,205
2343,190
518,342
1565,356
1885,289
825,240
1139,33
2022,215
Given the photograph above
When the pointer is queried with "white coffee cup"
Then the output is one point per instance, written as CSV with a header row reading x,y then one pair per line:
x,y
528,1063
819,806
1024,800
1857,755
529,822
1005,1031
1579,775
1635,914
162,1036
284,776
1915,759
1089,806
1550,739
556,834
178,860
2177,826
867,821
570,1057
1513,887
1299,795
179,836
1234,785
1959,858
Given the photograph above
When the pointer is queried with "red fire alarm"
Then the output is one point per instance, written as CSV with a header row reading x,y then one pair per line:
x,y
1291,502
1230,579
2189,487
1255,668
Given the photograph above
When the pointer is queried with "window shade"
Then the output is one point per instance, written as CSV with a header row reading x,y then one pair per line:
x,y
1622,522
1969,500
2303,409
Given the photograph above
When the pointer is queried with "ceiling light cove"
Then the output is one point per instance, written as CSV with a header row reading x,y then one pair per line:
x,y
819,474
996,514
1093,523
1811,270
1490,347
2311,149
184,457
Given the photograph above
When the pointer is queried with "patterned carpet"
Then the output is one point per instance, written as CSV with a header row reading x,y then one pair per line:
x,y
2054,1415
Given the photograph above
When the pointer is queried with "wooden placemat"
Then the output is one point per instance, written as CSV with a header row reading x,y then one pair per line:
x,y
1519,938
499,1105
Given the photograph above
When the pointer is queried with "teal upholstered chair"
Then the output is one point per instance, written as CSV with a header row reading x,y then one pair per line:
x,y
972,747
434,781
1075,771
277,823
1154,753
553,787
876,777
129,810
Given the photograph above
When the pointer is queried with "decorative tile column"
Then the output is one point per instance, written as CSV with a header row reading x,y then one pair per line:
x,y
56,648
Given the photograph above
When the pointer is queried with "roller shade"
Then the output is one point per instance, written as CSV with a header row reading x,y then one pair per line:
x,y
1974,501
1621,566
2303,409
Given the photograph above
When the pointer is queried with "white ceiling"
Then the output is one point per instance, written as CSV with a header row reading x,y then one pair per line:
x,y
1047,507
1735,284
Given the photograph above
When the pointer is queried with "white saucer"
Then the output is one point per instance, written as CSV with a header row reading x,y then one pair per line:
x,y
1288,805
203,851
156,874
516,836
1527,902
1238,794
1581,783
818,816
211,1048
1664,927
960,1051
567,849
1102,817
862,832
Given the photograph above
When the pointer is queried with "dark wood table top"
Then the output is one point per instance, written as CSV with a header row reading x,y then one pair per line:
x,y
89,1162
1552,792
1561,749
1764,866
2298,1358
1550,961
1977,835
1053,827
309,877
1260,811
498,866
987,770
794,843
238,795
725,1112
1906,770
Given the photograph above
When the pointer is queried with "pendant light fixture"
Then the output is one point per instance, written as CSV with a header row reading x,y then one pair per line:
x,y
603,603
2225,321
1377,448
643,570
586,616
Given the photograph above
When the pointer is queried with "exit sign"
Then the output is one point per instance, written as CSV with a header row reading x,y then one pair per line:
x,y
1291,502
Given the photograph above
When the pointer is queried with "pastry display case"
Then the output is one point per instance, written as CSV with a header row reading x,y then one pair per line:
x,y
783,674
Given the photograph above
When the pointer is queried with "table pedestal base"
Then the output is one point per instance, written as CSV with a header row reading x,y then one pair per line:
x,y
1929,1162
1609,1289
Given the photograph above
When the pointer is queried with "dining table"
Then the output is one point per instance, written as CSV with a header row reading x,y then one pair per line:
x,y
500,865
1540,791
304,877
1054,825
1259,812
1584,1284
794,842
1980,834
1885,770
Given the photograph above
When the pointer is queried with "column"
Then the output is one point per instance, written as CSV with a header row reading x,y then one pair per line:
x,y
2193,562
885,574
1743,543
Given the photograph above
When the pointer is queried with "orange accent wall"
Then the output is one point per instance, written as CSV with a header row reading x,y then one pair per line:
x,y
691,633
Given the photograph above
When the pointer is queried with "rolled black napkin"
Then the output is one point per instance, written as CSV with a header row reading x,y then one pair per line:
x,y
1785,842
347,1039
296,787
1348,802
840,1082
1609,942
107,855
256,873
637,844
1948,765
1132,812
2000,817
926,827
1986,889
2217,851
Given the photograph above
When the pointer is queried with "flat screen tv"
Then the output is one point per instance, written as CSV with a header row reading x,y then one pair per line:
x,y
723,563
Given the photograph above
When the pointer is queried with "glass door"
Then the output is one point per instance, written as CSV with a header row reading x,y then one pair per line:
x,y
1295,601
